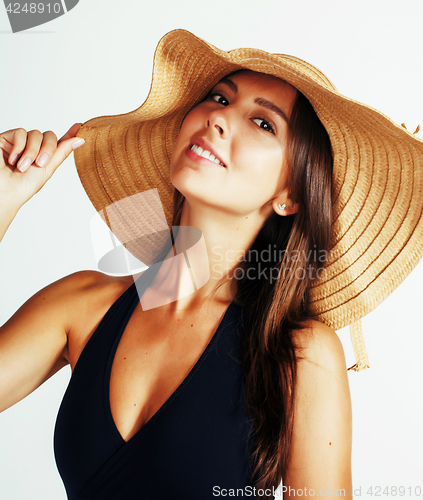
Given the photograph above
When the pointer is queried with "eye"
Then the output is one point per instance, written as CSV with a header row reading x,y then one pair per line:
x,y
220,99
264,124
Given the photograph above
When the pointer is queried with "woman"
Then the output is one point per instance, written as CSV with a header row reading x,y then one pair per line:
x,y
260,130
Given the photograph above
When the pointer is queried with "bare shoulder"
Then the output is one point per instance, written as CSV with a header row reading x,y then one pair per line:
x,y
69,294
319,345
320,456
89,295
75,283
93,284
55,301
50,329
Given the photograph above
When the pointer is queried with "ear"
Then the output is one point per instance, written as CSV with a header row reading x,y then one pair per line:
x,y
283,205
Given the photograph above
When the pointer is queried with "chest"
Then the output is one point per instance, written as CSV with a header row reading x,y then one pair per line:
x,y
155,354
199,435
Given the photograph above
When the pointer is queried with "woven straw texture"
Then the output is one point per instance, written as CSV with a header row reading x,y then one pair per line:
x,y
377,231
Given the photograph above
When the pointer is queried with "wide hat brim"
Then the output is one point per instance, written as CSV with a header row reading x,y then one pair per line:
x,y
377,230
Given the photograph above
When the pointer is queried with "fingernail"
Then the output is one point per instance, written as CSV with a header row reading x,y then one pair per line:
x,y
23,167
78,143
43,160
13,159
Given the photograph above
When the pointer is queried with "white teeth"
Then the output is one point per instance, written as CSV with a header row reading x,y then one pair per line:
x,y
206,154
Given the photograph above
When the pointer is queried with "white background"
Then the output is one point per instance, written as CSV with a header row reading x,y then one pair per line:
x,y
97,60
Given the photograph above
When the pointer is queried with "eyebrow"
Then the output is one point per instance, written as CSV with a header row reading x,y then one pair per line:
x,y
230,84
259,100
272,107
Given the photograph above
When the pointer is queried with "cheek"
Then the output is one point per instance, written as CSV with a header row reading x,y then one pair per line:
x,y
188,127
192,121
262,165
178,174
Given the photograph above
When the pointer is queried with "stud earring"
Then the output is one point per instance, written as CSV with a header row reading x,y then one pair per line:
x,y
282,207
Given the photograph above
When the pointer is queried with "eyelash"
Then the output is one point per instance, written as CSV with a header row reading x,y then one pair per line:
x,y
263,120
211,96
268,124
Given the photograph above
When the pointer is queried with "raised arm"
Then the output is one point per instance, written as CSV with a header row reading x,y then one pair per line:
x,y
322,434
33,342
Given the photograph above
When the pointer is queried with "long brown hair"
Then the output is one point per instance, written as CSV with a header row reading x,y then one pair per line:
x,y
277,300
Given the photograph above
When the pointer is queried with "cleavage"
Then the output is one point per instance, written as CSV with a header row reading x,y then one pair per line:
x,y
155,354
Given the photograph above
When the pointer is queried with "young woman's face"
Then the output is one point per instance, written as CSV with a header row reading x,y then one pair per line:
x,y
243,124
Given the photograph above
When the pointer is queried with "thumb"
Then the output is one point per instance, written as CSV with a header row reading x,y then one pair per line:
x,y
64,149
71,132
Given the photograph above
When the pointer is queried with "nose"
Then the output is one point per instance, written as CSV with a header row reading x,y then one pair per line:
x,y
218,120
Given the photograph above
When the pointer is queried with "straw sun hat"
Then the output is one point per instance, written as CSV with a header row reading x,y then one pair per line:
x,y
377,229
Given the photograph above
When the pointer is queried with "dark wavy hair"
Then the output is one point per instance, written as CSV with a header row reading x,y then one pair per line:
x,y
280,306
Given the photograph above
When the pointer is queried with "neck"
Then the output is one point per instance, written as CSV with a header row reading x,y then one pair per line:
x,y
200,265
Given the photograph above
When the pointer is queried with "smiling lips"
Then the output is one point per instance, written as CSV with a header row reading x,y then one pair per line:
x,y
198,150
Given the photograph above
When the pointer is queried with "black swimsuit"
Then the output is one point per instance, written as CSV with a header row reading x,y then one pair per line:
x,y
192,448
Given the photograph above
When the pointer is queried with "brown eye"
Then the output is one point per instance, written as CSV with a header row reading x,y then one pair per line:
x,y
220,99
263,124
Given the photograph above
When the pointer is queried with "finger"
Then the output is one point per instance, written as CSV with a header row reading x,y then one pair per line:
x,y
64,149
71,132
6,147
48,147
33,144
14,142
